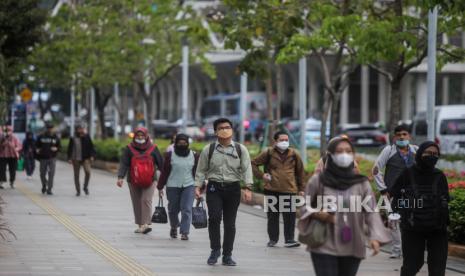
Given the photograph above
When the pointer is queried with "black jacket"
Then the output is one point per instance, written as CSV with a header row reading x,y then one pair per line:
x,y
87,147
44,144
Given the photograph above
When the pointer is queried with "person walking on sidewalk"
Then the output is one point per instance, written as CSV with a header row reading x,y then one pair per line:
x,y
47,147
9,155
29,151
394,159
425,226
81,152
178,175
283,177
140,158
341,252
224,164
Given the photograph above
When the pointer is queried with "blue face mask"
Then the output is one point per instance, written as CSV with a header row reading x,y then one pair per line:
x,y
403,143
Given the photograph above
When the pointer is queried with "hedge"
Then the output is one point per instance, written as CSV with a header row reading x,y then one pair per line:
x,y
110,150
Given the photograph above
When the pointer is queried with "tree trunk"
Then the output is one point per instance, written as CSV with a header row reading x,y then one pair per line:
x,y
279,91
269,100
135,104
334,114
395,108
326,111
147,101
101,101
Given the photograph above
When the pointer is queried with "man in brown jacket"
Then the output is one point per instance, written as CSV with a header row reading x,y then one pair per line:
x,y
283,176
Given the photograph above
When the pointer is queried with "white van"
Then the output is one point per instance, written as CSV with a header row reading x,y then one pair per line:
x,y
449,128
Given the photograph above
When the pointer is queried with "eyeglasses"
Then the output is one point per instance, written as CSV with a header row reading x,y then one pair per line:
x,y
224,128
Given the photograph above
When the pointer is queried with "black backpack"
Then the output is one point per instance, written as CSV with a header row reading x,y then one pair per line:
x,y
424,207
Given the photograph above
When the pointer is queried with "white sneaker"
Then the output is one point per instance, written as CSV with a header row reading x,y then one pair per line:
x,y
1,185
139,230
394,255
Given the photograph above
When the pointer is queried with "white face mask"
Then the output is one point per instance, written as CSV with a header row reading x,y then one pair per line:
x,y
343,160
284,145
139,141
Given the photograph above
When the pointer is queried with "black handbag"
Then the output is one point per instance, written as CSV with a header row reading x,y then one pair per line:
x,y
199,215
160,216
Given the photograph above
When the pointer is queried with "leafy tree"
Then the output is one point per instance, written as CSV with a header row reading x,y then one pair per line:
x,y
21,23
261,29
102,42
327,32
393,39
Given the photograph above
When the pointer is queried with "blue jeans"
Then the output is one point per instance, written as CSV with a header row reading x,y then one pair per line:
x,y
180,200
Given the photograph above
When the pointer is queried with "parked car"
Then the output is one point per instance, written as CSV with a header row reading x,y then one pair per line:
x,y
312,131
166,130
365,135
449,130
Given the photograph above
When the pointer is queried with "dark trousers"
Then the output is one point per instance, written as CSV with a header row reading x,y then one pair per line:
x,y
29,165
328,265
47,168
273,218
77,164
12,163
222,200
413,248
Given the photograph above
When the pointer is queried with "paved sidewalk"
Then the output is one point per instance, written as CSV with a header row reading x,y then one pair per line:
x,y
93,235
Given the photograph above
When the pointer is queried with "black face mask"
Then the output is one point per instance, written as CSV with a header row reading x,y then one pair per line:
x,y
181,150
430,161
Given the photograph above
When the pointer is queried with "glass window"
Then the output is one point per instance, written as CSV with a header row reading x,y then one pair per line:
x,y
232,107
211,108
452,127
421,128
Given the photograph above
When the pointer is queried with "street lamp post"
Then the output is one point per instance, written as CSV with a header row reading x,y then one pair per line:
x,y
302,107
243,106
185,83
431,75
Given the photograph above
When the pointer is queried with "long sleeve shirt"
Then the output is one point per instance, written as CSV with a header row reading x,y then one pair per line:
x,y
357,221
383,161
286,170
225,165
10,147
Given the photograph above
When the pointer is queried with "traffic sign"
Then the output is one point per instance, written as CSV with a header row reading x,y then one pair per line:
x,y
26,94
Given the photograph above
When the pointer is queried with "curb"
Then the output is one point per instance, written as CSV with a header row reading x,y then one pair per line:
x,y
456,250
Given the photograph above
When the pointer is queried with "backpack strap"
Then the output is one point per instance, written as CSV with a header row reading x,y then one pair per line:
x,y
238,150
268,160
211,149
147,152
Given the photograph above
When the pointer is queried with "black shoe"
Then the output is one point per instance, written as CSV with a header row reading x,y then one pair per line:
x,y
291,243
174,233
271,244
78,193
86,191
44,190
1,186
184,237
228,261
49,193
213,259
147,230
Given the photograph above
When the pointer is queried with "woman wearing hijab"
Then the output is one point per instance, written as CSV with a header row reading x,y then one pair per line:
x,y
421,196
178,175
141,197
29,149
344,247
10,147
